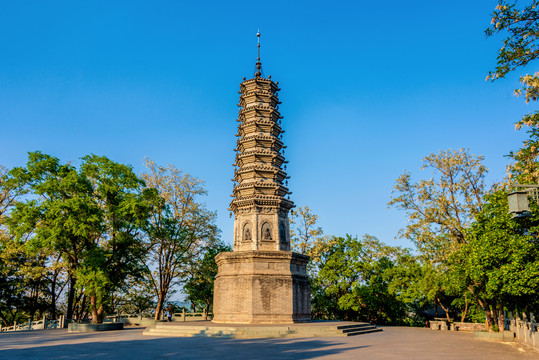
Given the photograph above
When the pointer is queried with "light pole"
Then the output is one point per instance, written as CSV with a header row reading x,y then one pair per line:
x,y
518,200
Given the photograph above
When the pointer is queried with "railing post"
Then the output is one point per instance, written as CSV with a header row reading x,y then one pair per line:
x,y
44,322
183,314
14,326
29,324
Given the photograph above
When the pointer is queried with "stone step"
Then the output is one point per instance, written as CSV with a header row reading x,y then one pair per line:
x,y
361,332
358,328
358,325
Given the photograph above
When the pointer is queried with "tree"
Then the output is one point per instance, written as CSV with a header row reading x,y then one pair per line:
x,y
500,262
117,250
303,230
351,282
178,230
55,195
90,218
521,46
439,211
11,295
199,287
441,208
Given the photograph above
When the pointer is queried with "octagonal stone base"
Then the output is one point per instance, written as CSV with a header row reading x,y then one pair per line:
x,y
261,287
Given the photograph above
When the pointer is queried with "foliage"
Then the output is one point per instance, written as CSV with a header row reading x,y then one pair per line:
x,y
500,263
522,43
519,21
352,282
304,232
89,218
440,208
199,287
179,228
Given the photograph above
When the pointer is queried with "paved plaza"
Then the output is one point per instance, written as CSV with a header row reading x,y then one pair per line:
x,y
392,343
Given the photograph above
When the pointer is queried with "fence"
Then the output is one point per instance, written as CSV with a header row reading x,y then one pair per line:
x,y
183,316
127,319
524,329
147,319
34,325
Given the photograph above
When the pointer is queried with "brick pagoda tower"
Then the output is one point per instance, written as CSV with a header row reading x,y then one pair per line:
x,y
261,281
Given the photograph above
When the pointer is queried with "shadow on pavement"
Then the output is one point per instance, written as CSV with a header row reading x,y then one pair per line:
x,y
177,348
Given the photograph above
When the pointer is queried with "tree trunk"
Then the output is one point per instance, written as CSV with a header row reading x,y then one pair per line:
x,y
463,316
488,319
493,315
501,319
207,308
160,302
446,311
70,297
53,295
93,305
100,313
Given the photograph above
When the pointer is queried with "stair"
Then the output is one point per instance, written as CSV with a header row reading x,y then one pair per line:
x,y
359,329
314,329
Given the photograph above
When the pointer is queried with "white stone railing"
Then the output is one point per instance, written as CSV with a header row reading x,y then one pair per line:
x,y
524,329
128,319
42,324
137,319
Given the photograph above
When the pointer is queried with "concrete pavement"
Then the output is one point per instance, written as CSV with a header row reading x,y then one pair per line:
x,y
392,343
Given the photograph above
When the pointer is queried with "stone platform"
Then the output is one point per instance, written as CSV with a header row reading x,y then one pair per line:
x,y
250,331
261,287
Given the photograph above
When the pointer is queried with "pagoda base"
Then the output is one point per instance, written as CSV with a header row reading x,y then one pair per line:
x,y
261,287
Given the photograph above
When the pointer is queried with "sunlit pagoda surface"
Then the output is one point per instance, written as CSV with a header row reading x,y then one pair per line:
x,y
261,281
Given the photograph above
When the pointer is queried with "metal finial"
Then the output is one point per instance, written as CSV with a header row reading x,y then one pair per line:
x,y
258,72
258,44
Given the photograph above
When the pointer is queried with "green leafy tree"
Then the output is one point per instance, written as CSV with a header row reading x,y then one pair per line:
x,y
117,250
411,282
55,195
351,282
440,209
89,219
11,281
199,287
500,262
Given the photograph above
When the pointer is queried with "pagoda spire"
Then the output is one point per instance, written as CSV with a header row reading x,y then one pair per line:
x,y
258,72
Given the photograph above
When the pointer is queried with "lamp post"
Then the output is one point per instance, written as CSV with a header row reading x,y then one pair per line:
x,y
518,200
518,203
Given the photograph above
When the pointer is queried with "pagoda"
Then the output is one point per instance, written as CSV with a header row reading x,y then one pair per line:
x,y
261,280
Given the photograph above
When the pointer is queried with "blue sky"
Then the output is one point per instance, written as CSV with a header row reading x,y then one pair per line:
x,y
368,89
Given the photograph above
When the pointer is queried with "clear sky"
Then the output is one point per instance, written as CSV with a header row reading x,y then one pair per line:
x,y
368,89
